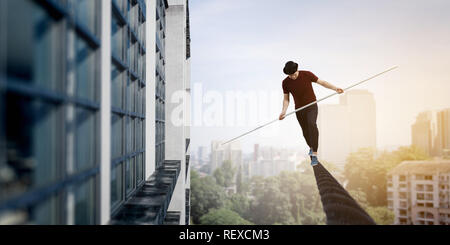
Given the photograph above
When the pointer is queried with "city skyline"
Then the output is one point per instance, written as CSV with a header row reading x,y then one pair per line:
x,y
336,48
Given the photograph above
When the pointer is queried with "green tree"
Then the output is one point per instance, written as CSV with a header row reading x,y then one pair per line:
x,y
270,205
381,215
360,197
205,195
367,170
225,174
223,216
239,180
240,204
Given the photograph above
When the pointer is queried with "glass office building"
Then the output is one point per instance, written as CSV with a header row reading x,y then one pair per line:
x,y
72,88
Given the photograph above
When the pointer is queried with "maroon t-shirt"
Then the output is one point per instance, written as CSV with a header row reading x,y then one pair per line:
x,y
301,88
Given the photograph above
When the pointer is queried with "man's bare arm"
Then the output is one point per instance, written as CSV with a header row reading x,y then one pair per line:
x,y
285,106
329,86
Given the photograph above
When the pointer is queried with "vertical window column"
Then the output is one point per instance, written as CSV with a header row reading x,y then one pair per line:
x,y
128,98
160,84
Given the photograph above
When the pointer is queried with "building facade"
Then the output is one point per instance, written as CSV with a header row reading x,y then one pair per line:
x,y
418,192
83,108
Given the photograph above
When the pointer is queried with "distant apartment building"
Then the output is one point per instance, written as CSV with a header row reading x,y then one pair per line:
x,y
220,153
255,152
271,167
419,192
348,126
86,134
201,155
422,132
269,161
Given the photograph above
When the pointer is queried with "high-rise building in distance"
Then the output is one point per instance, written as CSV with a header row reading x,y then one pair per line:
x,y
348,126
422,132
443,133
220,153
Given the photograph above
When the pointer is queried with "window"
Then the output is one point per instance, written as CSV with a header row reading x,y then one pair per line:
x,y
85,150
85,12
403,212
117,39
402,195
85,203
128,99
44,214
420,196
116,185
129,176
85,70
50,110
419,188
117,79
116,136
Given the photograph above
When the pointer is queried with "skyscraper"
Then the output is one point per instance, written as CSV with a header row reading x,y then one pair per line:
x,y
422,133
334,129
347,126
443,133
83,108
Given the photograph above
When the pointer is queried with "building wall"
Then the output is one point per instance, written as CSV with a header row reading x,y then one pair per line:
x,y
176,69
88,126
420,199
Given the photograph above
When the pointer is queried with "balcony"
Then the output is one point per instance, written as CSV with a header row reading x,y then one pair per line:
x,y
172,218
150,203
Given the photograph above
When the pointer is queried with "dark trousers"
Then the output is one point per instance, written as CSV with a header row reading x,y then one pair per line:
x,y
307,119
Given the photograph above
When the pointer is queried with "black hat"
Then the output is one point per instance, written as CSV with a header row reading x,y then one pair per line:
x,y
290,68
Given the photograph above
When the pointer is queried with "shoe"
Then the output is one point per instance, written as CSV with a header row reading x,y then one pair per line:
x,y
310,152
314,161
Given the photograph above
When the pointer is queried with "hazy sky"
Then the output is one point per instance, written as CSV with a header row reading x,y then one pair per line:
x,y
243,45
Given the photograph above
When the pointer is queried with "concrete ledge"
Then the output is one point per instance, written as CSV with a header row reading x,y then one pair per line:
x,y
150,203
